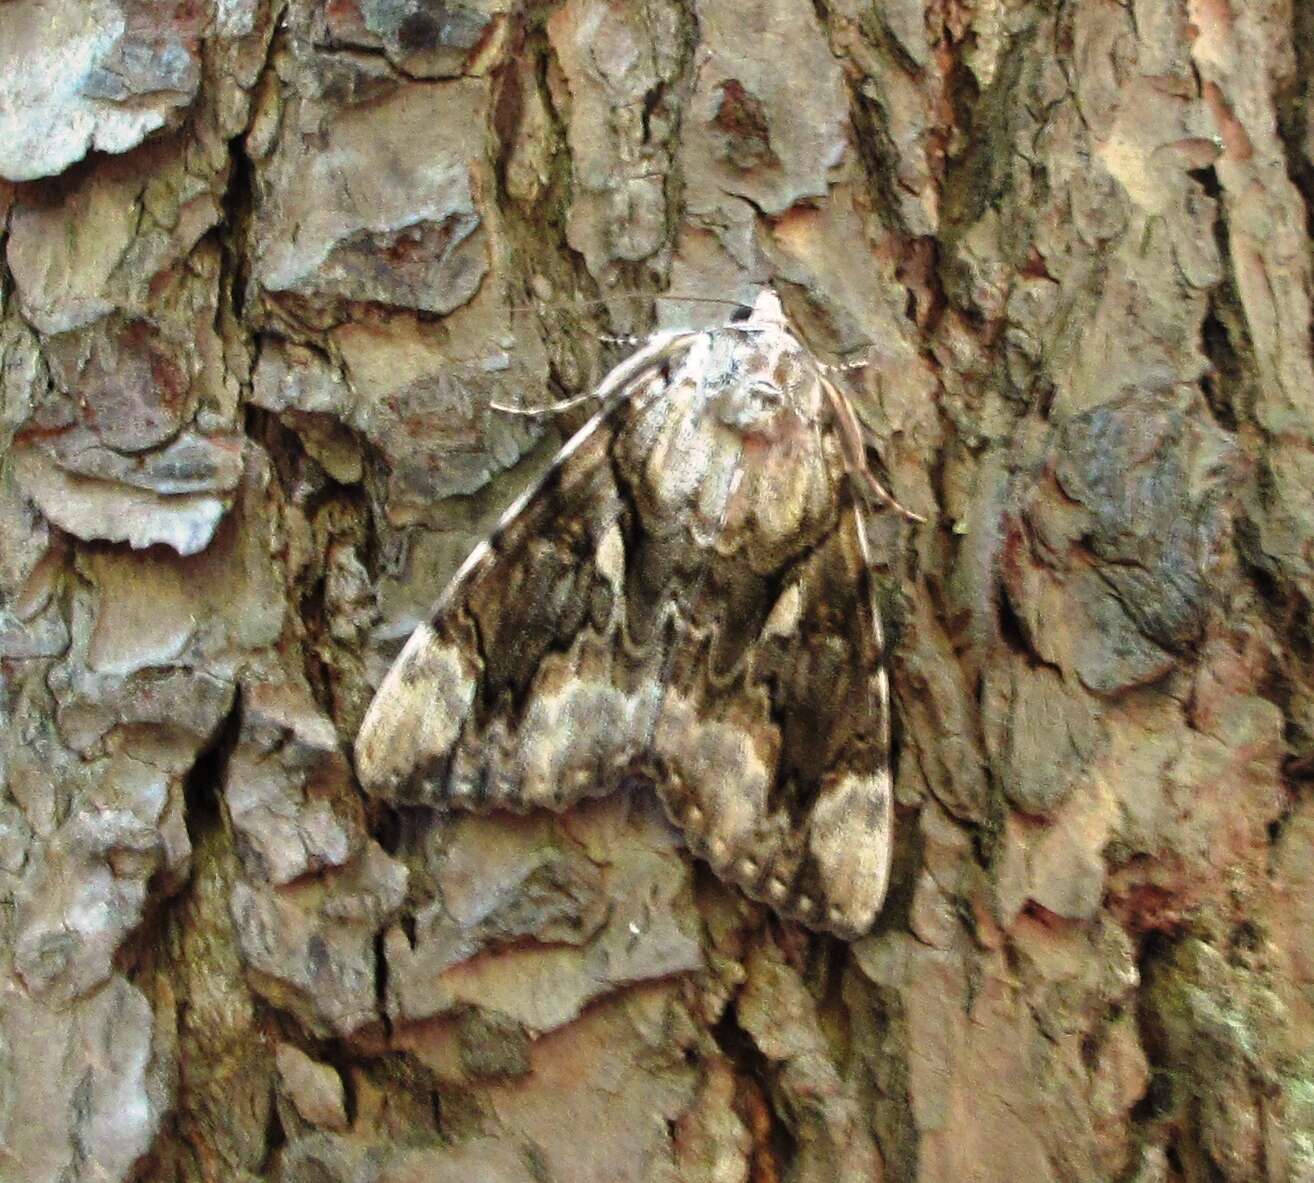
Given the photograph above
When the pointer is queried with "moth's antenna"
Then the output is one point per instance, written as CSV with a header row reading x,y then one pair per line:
x,y
596,301
547,409
485,362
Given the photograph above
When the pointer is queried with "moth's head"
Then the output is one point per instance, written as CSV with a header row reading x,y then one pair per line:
x,y
766,312
763,379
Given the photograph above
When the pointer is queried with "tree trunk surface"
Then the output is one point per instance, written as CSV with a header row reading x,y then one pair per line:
x,y
265,266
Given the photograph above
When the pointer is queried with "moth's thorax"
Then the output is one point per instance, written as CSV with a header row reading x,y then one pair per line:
x,y
758,380
732,449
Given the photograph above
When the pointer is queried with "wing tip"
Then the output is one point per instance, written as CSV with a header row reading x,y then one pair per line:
x,y
780,884
365,751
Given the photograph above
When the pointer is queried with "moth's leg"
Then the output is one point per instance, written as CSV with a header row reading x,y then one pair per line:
x,y
874,490
661,348
557,408
855,439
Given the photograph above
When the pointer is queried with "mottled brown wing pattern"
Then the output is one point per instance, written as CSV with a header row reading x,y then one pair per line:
x,y
685,600
772,744
515,693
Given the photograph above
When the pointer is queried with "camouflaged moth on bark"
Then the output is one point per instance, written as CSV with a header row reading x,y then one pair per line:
x,y
686,600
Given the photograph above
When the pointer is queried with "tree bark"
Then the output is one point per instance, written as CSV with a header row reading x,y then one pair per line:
x,y
264,267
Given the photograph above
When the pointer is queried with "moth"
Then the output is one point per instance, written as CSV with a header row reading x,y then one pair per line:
x,y
685,601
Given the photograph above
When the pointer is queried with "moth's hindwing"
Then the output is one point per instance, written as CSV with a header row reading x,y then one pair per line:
x,y
686,601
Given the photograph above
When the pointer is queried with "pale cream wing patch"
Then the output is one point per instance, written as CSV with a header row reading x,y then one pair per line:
x,y
418,713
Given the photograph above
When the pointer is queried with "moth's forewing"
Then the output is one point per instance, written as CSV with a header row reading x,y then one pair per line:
x,y
503,602
772,740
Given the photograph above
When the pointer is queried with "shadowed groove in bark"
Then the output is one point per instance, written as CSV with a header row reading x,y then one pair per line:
x,y
209,1124
1295,106
772,1157
238,199
1225,335
203,784
1229,388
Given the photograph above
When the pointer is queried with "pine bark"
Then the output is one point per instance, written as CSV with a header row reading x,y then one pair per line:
x,y
265,266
